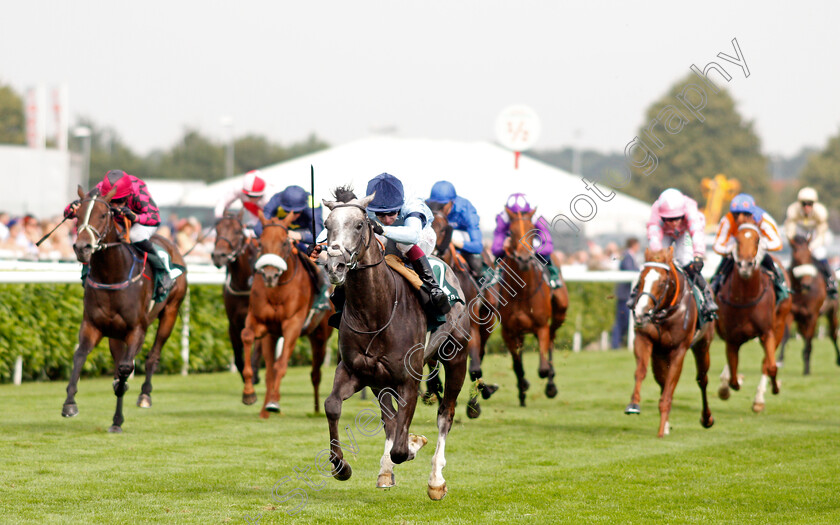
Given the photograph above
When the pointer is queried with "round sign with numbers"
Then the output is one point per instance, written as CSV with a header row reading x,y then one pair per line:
x,y
517,128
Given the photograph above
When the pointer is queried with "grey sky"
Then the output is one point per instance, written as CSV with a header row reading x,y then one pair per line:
x,y
432,69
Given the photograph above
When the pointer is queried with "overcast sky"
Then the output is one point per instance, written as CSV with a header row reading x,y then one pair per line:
x,y
430,69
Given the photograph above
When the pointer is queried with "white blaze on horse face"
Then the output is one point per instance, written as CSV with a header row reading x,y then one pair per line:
x,y
343,235
648,281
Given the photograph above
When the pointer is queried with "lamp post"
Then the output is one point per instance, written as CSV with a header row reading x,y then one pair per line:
x,y
84,133
227,122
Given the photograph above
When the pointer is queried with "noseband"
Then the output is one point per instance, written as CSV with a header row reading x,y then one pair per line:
x,y
243,242
655,313
96,238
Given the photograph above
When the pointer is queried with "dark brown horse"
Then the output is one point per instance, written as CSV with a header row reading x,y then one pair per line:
x,y
384,344
748,309
477,307
237,253
118,301
280,304
809,302
666,326
527,304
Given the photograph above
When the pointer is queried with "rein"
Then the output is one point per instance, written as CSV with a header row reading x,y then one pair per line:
x,y
656,315
292,253
96,238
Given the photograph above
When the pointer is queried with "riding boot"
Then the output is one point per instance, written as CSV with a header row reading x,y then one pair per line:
x,y
722,272
166,282
338,299
779,283
828,274
475,263
554,279
322,300
709,307
424,272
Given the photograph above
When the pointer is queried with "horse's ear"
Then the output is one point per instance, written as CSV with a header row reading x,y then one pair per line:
x,y
261,217
509,212
447,209
110,195
367,200
81,192
329,204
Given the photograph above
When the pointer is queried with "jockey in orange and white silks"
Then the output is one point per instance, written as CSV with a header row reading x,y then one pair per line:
x,y
809,218
254,197
676,221
742,209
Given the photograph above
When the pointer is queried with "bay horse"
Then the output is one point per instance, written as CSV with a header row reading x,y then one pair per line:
x,y
748,309
281,308
810,301
533,308
118,293
383,342
665,324
237,252
479,309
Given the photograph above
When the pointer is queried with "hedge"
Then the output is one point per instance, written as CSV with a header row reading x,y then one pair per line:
x,y
40,322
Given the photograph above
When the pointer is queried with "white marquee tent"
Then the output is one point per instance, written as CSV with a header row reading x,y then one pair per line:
x,y
481,172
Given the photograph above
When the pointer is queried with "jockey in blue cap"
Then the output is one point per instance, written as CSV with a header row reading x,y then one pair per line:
x,y
294,200
406,224
463,221
743,209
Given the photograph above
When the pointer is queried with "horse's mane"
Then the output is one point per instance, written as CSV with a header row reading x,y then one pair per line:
x,y
344,194
800,239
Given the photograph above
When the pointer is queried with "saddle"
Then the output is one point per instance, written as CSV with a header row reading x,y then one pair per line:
x,y
442,276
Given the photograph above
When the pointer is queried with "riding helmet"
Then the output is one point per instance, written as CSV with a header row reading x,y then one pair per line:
x,y
518,203
253,184
672,204
389,193
117,178
442,192
294,199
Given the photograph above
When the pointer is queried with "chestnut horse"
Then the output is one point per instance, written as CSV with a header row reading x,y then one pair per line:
x,y
477,308
666,326
809,302
527,304
118,293
384,344
281,308
237,253
748,309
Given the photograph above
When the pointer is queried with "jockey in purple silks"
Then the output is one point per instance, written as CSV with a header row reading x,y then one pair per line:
x,y
543,246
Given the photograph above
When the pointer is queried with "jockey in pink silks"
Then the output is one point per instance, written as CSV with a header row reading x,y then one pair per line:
x,y
676,221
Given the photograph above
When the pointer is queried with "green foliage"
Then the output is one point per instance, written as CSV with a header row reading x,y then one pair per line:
x,y
41,323
823,173
194,157
12,119
723,143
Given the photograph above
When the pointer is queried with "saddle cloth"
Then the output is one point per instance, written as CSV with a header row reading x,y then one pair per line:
x,y
442,276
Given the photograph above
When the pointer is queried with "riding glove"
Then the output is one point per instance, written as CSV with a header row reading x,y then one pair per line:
x,y
126,212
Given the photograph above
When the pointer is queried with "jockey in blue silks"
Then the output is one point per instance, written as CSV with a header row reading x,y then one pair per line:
x,y
463,221
295,199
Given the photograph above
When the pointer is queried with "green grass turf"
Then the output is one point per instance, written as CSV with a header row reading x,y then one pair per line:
x,y
200,456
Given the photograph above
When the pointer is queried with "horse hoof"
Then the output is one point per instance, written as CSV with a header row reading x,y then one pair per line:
x,y
543,373
249,399
144,401
780,364
114,429
273,406
524,385
522,400
758,407
724,393
805,372
633,408
385,481
428,398
437,493
551,390
473,408
707,423
776,388
71,410
116,386
488,390
342,472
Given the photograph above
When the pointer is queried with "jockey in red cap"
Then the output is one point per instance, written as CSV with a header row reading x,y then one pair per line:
x,y
253,195
133,201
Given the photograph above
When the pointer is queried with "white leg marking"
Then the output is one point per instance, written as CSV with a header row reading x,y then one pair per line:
x,y
762,388
385,464
438,462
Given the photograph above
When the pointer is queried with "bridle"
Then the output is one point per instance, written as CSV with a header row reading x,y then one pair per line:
x,y
288,255
656,314
243,240
353,263
759,255
96,237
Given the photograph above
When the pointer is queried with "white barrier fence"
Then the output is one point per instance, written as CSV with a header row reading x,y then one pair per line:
x,y
22,272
